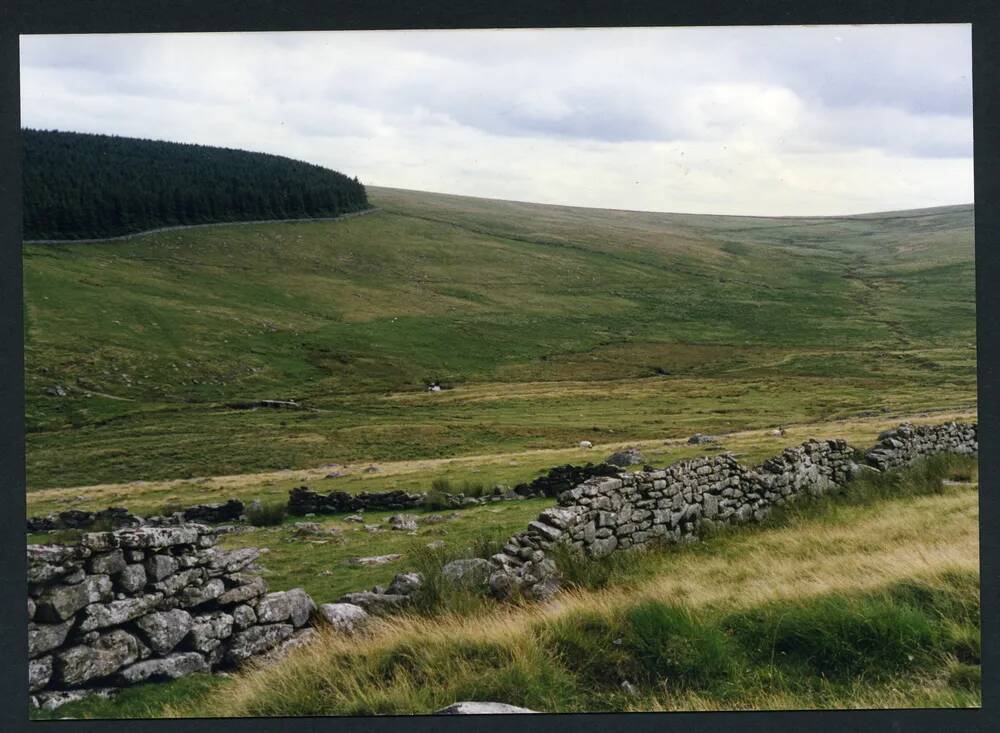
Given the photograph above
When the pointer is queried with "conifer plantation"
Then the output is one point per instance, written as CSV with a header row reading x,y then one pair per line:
x,y
82,186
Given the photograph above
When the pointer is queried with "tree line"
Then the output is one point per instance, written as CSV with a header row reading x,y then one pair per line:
x,y
83,186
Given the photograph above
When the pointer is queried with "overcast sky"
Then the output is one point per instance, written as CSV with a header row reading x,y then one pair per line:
x,y
766,120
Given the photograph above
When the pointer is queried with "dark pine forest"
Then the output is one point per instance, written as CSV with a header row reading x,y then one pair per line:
x,y
82,186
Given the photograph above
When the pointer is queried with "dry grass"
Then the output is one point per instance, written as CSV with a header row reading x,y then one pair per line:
x,y
853,550
754,444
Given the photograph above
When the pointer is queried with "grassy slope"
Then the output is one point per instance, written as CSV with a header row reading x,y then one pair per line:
x,y
552,324
865,600
868,601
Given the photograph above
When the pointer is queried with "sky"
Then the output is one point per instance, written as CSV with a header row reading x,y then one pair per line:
x,y
789,120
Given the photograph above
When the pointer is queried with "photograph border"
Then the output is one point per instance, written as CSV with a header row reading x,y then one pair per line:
x,y
135,16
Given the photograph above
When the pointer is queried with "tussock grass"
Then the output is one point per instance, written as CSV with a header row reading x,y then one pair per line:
x,y
784,654
869,602
267,514
437,596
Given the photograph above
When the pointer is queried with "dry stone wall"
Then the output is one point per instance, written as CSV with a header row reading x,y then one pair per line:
x,y
906,443
303,501
148,603
605,514
119,517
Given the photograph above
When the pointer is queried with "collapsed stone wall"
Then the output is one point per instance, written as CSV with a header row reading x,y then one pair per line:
x,y
148,603
304,501
565,477
120,517
674,504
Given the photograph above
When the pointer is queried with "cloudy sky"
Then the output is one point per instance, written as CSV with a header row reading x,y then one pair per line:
x,y
764,120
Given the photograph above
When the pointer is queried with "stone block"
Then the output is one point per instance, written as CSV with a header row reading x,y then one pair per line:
x,y
39,673
102,615
60,602
82,663
43,638
163,630
171,667
107,563
344,617
196,595
132,579
255,640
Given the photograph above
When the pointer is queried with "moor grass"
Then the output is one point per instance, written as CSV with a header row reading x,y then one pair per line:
x,y
545,325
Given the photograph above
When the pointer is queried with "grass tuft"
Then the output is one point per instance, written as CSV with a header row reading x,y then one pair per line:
x,y
267,514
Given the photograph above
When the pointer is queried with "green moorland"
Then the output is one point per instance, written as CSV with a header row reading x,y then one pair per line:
x,y
546,325
864,599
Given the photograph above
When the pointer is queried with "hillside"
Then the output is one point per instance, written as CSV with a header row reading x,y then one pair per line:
x,y
546,325
79,186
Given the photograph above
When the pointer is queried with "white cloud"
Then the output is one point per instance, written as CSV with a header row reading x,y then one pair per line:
x,y
781,120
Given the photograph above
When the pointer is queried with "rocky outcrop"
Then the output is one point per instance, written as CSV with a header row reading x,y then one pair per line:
x,y
147,603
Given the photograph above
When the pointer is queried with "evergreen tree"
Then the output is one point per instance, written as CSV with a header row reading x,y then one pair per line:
x,y
79,186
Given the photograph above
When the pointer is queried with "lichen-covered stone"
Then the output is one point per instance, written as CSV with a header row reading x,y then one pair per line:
x,y
43,638
83,663
107,563
48,562
160,566
160,537
60,602
54,699
249,642
244,616
196,595
404,584
39,673
207,630
377,603
344,617
272,608
163,630
483,708
231,561
171,667
466,572
248,588
132,579
300,606
182,579
102,615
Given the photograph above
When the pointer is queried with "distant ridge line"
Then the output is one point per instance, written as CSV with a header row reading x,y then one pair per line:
x,y
123,237
886,213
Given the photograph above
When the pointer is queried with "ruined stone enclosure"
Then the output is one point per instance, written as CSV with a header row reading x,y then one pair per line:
x,y
602,515
148,603
159,602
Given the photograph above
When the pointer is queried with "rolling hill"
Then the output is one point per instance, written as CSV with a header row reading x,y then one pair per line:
x,y
545,325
